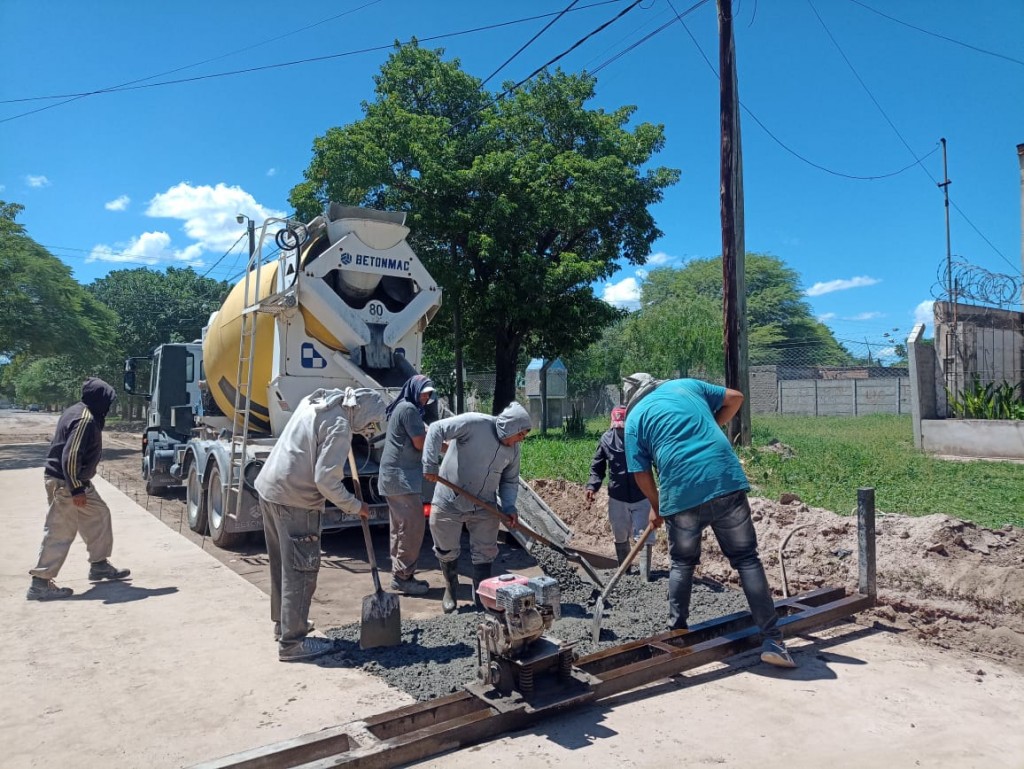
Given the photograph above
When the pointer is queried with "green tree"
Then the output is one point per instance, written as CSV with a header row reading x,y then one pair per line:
x,y
43,309
156,307
52,381
517,205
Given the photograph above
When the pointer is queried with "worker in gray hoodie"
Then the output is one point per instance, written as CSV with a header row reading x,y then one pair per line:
x,y
306,469
482,457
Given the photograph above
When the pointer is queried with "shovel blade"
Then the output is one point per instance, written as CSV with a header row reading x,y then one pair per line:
x,y
381,621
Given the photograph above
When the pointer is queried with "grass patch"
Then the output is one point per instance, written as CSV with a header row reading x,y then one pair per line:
x,y
833,457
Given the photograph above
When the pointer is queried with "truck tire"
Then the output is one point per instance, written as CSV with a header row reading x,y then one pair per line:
x,y
195,501
217,510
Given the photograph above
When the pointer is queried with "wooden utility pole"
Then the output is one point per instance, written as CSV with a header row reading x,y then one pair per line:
x,y
734,288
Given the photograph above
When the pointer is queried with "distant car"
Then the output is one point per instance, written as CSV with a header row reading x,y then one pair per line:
x,y
33,407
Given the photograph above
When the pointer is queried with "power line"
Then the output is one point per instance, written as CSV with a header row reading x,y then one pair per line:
x,y
136,85
529,42
936,34
782,144
244,234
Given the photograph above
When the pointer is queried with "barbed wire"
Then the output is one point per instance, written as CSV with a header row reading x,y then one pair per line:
x,y
976,284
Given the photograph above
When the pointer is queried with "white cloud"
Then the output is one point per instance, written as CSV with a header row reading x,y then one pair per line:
x,y
37,181
866,316
886,352
118,204
841,284
208,214
3,187
625,293
271,172
641,273
660,259
925,313
826,316
147,248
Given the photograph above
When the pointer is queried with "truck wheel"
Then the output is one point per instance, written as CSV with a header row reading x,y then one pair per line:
x,y
217,507
195,501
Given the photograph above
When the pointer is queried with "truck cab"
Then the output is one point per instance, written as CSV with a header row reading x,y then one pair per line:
x,y
173,394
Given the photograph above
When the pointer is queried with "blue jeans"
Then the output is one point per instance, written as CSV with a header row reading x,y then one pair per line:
x,y
729,517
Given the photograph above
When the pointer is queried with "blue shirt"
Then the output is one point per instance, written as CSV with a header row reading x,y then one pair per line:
x,y
674,430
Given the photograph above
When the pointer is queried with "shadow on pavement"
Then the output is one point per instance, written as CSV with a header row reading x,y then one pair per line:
x,y
120,592
23,456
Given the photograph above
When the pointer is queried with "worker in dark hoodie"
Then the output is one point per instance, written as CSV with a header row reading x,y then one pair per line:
x,y
75,505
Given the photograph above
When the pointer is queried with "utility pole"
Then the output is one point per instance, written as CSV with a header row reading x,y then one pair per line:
x,y
251,227
1020,160
944,184
734,289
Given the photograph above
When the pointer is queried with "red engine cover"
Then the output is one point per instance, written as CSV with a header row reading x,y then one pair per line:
x,y
489,587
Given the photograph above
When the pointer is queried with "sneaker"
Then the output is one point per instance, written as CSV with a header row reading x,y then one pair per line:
x,y
277,629
775,653
309,648
106,570
48,591
410,586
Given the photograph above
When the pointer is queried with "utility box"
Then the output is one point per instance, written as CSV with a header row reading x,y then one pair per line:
x,y
558,392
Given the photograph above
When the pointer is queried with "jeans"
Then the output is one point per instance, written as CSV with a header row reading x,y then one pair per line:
x,y
293,547
729,518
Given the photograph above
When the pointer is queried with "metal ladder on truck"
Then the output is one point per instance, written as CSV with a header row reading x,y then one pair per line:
x,y
253,305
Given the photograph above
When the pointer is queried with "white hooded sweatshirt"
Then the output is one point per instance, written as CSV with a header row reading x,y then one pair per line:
x,y
306,467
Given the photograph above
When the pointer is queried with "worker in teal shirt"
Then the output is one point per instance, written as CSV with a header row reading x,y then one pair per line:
x,y
675,426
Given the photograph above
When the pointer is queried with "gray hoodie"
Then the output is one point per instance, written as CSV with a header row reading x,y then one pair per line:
x,y
307,464
476,459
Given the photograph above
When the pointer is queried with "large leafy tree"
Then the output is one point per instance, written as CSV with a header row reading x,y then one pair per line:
x,y
517,205
43,309
156,307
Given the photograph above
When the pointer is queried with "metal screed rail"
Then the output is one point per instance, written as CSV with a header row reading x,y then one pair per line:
x,y
425,729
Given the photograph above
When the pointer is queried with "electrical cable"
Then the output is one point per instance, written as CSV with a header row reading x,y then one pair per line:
x,y
221,258
529,42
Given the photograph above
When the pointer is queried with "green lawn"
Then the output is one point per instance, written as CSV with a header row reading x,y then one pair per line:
x,y
833,457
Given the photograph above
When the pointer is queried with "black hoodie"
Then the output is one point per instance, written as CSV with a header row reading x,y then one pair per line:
x,y
78,440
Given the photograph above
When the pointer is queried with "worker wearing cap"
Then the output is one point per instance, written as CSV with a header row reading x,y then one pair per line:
x,y
482,458
305,469
676,427
628,508
401,481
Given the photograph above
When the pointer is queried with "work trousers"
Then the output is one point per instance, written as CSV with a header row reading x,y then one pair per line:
x,y
629,519
64,521
729,518
446,529
408,525
293,546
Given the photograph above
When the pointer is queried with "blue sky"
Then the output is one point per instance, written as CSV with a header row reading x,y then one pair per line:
x,y
155,175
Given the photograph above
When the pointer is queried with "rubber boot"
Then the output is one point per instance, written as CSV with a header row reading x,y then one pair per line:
x,y
622,552
481,571
645,562
450,572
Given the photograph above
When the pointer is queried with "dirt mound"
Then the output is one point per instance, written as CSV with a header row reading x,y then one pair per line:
x,y
950,582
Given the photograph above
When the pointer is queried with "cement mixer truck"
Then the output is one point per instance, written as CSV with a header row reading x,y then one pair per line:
x,y
341,301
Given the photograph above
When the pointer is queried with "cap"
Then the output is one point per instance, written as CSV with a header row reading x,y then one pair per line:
x,y
431,391
619,416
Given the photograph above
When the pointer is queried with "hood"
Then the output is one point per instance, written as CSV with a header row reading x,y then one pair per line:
x,y
636,386
362,405
411,391
98,396
514,419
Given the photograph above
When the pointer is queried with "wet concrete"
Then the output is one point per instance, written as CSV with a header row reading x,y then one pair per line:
x,y
438,656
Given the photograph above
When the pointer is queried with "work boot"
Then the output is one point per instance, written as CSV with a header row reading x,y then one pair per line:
x,y
450,572
47,590
410,586
277,629
106,570
622,553
481,571
775,653
306,649
645,562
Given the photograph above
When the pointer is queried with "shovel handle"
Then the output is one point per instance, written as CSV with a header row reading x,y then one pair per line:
x,y
624,566
365,524
505,519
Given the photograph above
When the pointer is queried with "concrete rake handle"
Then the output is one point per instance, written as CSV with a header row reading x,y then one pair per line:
x,y
365,524
624,566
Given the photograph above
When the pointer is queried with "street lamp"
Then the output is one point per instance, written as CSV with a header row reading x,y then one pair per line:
x,y
252,231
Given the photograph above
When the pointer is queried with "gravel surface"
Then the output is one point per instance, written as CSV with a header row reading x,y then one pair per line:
x,y
438,656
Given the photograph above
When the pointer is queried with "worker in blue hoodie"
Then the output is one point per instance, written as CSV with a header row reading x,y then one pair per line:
x,y
482,458
75,507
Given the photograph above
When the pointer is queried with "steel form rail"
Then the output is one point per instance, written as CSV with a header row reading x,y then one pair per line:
x,y
425,729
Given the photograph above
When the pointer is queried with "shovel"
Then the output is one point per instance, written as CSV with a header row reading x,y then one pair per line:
x,y
623,568
568,554
381,620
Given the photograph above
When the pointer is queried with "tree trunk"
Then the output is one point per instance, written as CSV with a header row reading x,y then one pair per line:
x,y
506,354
